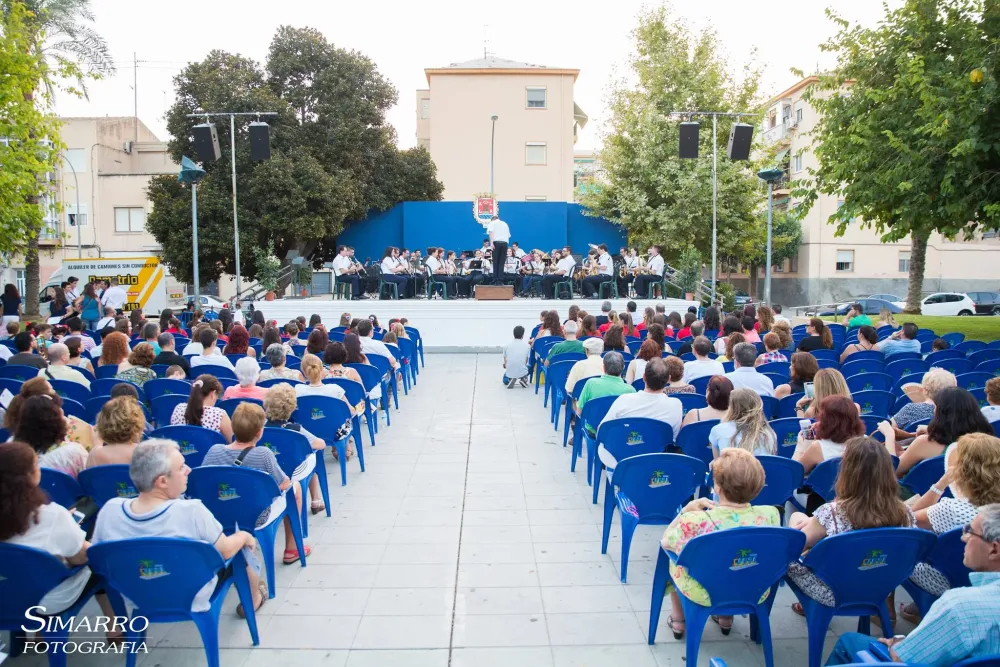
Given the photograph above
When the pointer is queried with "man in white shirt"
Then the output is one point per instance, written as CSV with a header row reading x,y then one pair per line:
x,y
515,360
592,366
72,291
210,354
515,249
115,296
591,284
778,317
346,271
702,365
499,236
394,271
58,370
745,374
371,346
655,273
107,320
563,272
435,265
650,403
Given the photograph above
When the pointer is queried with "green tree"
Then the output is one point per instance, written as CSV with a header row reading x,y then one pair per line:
x,y
908,129
751,249
333,155
656,196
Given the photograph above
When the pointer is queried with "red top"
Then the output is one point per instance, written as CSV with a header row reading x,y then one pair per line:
x,y
604,327
640,326
684,333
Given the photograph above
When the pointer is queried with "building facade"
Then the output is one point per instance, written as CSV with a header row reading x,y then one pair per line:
x,y
536,128
832,268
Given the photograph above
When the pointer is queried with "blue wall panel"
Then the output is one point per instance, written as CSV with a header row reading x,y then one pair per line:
x,y
583,229
370,236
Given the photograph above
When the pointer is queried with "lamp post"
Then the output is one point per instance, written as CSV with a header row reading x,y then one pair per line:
x,y
771,176
76,187
192,173
493,133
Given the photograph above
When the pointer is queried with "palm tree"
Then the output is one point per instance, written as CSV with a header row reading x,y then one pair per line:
x,y
71,48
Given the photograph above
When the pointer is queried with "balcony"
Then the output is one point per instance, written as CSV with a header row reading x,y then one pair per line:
x,y
780,132
49,234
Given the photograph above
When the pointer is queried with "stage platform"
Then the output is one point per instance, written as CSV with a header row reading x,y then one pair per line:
x,y
457,325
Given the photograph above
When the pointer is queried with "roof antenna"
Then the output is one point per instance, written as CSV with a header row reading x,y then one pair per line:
x,y
486,40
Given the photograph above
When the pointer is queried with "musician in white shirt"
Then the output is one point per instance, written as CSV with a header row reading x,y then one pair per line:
x,y
346,271
654,273
478,268
463,283
394,271
435,266
532,270
511,267
563,272
516,249
591,284
630,260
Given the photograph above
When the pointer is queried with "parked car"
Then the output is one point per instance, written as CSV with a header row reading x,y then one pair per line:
x,y
946,303
742,298
886,297
870,306
207,302
987,303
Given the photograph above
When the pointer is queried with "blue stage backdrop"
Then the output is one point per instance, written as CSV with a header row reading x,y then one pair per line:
x,y
449,224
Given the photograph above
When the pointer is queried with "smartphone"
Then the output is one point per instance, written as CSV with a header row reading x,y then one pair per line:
x,y
810,390
78,516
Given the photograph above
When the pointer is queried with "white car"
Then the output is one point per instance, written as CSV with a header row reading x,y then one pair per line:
x,y
208,302
945,303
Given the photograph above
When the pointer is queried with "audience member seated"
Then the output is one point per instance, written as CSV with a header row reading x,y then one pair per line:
x,y
684,330
784,331
956,413
200,408
765,320
247,373
275,355
819,337
650,349
27,520
151,334
592,366
717,396
826,382
922,406
42,425
614,339
772,350
802,369
27,349
839,421
316,343
745,375
114,350
702,365
608,384
371,346
749,333
744,426
570,344
137,368
737,477
904,340
867,340
587,325
76,359
992,410
731,325
279,406
312,369
59,368
160,475
677,383
120,426
732,340
239,342
272,336
697,329
651,403
75,326
77,429
610,319
176,372
885,319
939,344
963,622
210,354
335,357
168,355
867,497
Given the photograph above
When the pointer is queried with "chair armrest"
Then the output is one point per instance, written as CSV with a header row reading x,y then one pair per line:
x,y
876,653
716,662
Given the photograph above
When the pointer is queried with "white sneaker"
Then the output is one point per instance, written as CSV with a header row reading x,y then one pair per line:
x,y
511,383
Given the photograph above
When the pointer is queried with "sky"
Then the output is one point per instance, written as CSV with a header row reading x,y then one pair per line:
x,y
403,38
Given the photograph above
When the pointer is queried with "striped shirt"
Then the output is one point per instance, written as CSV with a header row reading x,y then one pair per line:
x,y
963,623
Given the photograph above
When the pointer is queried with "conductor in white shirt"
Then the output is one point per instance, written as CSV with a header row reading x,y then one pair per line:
x,y
655,273
346,271
499,236
592,284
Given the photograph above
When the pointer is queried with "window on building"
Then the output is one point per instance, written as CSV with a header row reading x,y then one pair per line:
x,y
794,265
75,160
425,108
536,97
19,281
535,198
798,112
130,219
779,267
796,163
840,205
904,261
534,152
845,260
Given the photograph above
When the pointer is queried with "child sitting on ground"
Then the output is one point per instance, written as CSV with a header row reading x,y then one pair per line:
x,y
515,360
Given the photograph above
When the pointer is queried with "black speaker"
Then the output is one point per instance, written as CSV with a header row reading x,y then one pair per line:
x,y
206,142
740,138
689,140
260,141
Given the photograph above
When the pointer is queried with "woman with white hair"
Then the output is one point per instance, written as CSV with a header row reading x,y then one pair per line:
x,y
276,356
247,373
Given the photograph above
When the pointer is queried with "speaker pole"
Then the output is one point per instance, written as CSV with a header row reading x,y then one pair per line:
x,y
715,198
236,223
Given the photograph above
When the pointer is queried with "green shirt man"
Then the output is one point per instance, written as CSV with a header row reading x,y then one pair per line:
x,y
604,385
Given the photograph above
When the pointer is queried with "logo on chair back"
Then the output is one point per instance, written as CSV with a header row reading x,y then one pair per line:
x,y
316,413
187,447
124,490
269,445
634,438
791,439
744,558
868,387
151,570
866,408
227,492
875,559
659,479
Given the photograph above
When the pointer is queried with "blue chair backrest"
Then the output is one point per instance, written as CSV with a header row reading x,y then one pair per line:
x,y
874,402
11,385
729,366
786,430
267,384
161,575
781,477
956,366
898,368
871,425
85,373
557,373
69,389
921,476
737,566
194,441
973,380
634,345
940,355
897,388
658,484
215,370
691,401
770,405
991,366
827,363
381,363
321,415
162,387
18,372
693,440
26,575
407,347
289,447
93,407
233,358
595,409
160,370
566,356
866,355
830,355
370,375
293,362
163,407
106,371
853,367
217,487
102,483
980,396
823,479
979,356
230,404
413,333
634,436
73,408
953,338
947,556
62,489
103,387
870,382
969,347
638,385
779,367
355,391
542,345
786,406
866,565
701,384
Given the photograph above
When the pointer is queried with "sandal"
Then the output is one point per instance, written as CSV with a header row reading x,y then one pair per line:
x,y
797,608
262,589
315,508
670,622
910,613
726,629
292,555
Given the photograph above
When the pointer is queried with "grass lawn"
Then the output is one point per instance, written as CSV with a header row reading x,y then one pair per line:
x,y
983,327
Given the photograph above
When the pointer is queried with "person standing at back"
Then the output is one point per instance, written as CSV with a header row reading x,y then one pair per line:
x,y
115,296
499,236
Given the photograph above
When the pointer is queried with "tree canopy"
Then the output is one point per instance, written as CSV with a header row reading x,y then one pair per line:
x,y
333,155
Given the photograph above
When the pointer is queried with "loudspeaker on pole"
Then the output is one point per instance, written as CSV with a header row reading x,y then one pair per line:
x,y
206,142
689,140
260,141
740,138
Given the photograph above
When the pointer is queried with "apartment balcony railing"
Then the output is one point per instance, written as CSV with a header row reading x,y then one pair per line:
x,y
779,132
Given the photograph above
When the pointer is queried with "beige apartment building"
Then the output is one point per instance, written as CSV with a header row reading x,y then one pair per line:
x,y
831,268
101,212
536,128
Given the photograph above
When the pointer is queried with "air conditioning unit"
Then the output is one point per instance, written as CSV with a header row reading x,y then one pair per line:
x,y
127,147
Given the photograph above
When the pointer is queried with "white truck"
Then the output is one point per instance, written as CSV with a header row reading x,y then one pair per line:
x,y
149,285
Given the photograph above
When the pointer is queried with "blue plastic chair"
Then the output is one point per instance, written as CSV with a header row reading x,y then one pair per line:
x,y
861,567
947,557
355,393
555,385
861,366
592,413
776,378
102,483
322,416
106,371
163,406
26,575
899,368
897,388
786,405
979,356
371,379
956,366
822,480
11,385
103,387
922,476
93,407
539,350
194,441
292,449
864,355
771,405
827,363
874,402
62,489
786,430
953,338
970,347
162,576
870,382
991,366
736,567
629,437
650,489
267,384
693,441
973,380
18,372
781,477
691,401
779,367
418,339
215,370
73,408
162,387
701,384
160,370
255,490
941,355
408,351
233,358
826,354
729,366
575,396
230,404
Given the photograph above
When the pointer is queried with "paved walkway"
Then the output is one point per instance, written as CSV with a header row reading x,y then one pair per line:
x,y
466,543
